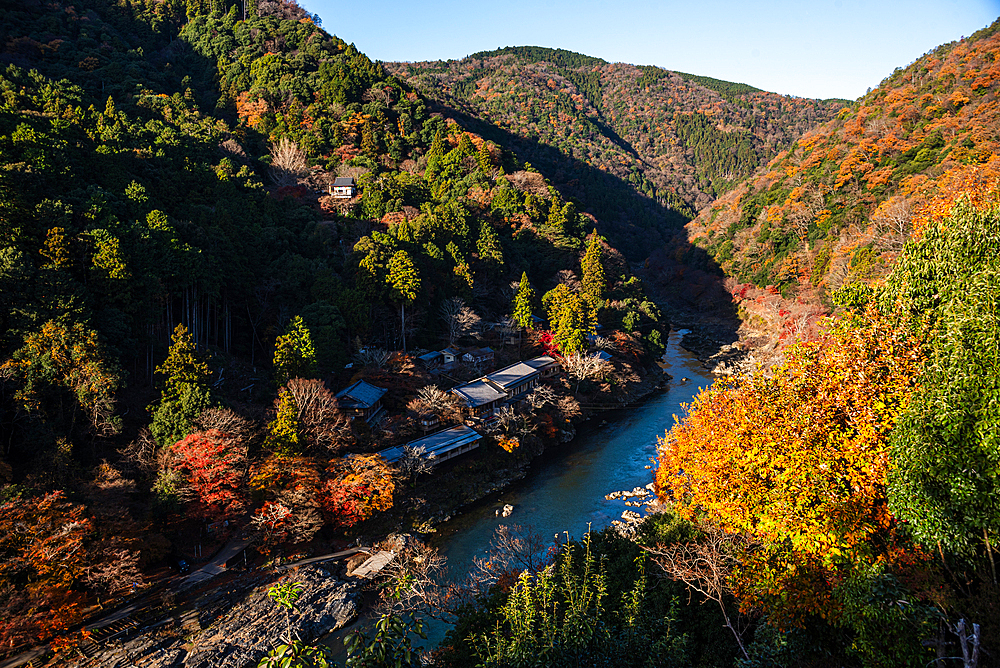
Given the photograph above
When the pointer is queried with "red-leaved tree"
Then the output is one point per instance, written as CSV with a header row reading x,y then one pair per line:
x,y
214,464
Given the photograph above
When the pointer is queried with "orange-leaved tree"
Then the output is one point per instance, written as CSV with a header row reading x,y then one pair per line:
x,y
797,461
43,561
357,487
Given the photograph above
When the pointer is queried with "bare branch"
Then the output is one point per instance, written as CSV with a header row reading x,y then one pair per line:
x,y
706,566
459,318
288,162
373,357
326,427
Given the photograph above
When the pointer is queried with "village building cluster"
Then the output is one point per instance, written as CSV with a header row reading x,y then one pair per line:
x,y
483,397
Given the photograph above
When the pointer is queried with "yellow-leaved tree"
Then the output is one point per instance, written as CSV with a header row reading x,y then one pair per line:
x,y
796,461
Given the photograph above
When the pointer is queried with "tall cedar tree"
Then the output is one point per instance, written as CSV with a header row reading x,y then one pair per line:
x,y
523,302
592,267
185,391
404,281
294,353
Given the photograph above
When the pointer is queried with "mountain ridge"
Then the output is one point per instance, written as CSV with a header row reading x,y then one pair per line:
x,y
622,118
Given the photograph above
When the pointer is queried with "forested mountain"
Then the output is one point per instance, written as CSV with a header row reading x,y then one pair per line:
x,y
182,289
679,139
838,205
176,278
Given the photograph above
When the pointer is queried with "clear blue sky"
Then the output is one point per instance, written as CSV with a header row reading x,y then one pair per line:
x,y
819,48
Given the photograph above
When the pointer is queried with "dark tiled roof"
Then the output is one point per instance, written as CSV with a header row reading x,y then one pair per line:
x,y
541,362
341,181
360,395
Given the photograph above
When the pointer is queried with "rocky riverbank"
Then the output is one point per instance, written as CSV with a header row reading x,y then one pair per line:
x,y
236,634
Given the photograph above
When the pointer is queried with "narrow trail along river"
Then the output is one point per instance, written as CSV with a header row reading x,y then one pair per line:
x,y
565,490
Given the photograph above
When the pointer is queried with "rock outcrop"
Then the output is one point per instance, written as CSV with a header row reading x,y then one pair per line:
x,y
244,632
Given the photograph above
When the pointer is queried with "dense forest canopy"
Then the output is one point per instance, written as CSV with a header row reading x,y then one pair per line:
x,y
177,280
215,214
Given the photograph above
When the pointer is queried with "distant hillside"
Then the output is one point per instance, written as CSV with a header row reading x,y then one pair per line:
x,y
837,206
679,139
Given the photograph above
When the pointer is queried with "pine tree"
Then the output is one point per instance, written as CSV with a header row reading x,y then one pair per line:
x,y
294,353
592,267
523,302
185,391
489,245
404,282
284,433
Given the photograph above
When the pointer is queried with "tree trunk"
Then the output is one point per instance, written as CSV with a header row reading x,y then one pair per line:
x,y
402,322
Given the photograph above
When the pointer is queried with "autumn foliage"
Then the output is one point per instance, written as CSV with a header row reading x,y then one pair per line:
x,y
839,204
798,461
44,558
214,465
356,487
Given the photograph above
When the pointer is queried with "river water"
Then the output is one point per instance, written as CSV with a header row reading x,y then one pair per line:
x,y
565,490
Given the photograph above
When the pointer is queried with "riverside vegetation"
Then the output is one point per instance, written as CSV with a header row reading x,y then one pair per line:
x,y
180,292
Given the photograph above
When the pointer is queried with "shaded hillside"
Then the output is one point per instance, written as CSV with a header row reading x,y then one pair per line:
x,y
167,229
679,139
838,206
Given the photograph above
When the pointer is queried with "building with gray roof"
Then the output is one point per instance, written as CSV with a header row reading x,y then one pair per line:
x,y
362,400
440,446
480,396
515,379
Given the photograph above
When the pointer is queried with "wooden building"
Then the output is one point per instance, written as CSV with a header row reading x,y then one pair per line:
x,y
361,400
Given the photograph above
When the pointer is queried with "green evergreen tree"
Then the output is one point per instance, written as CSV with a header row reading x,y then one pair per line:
x,y
592,267
284,433
465,146
488,245
294,353
434,157
484,159
523,302
404,284
575,320
557,217
371,144
185,392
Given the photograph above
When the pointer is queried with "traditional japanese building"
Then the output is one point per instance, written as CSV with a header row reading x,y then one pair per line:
x,y
343,187
361,400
